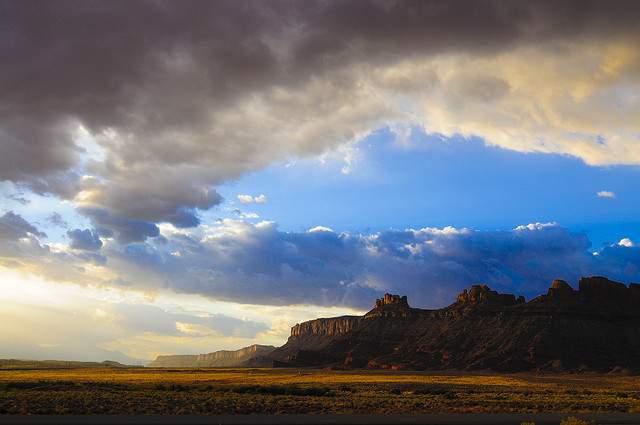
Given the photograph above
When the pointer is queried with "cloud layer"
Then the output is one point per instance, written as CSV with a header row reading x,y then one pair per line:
x,y
135,111
45,320
258,264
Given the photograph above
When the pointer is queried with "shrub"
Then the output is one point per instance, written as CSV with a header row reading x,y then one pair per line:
x,y
283,390
572,420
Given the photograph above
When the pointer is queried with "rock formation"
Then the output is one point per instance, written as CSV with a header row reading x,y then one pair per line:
x,y
482,294
596,327
216,359
389,299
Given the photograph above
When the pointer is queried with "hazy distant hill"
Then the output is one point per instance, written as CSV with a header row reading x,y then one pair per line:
x,y
222,358
55,364
596,327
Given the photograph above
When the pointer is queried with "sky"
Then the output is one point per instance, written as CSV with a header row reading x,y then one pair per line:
x,y
184,177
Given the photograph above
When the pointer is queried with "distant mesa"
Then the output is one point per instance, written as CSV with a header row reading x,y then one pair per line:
x,y
59,364
221,358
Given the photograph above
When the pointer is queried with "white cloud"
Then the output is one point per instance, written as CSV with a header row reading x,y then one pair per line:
x,y
320,229
245,199
606,194
626,242
249,199
535,226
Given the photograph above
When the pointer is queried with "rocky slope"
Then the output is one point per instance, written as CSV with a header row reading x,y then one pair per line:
x,y
216,359
596,327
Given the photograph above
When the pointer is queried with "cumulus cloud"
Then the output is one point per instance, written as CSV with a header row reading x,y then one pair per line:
x,y
626,242
13,227
250,215
535,226
19,241
126,229
255,263
248,199
606,194
245,199
21,247
86,240
320,229
182,96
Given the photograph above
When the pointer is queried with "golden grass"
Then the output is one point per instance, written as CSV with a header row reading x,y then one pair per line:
x,y
222,391
253,376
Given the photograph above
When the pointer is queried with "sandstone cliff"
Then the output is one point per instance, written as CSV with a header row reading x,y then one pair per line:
x,y
216,359
325,327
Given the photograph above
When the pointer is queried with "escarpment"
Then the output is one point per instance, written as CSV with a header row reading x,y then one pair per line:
x,y
223,358
595,327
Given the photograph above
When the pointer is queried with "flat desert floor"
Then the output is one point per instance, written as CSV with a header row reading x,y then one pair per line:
x,y
291,391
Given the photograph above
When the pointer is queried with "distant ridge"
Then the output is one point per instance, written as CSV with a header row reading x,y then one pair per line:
x,y
596,327
223,358
57,364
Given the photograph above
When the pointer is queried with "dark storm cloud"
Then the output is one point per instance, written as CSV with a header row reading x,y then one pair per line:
x,y
86,240
621,260
258,264
182,96
21,247
13,227
19,241
126,230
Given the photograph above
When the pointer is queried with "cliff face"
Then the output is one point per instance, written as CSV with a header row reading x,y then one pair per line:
x,y
325,327
596,327
314,335
306,337
222,358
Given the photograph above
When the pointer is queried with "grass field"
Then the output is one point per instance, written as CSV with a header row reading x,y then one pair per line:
x,y
287,391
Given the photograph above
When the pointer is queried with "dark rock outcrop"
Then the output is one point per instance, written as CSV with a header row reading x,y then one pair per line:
x,y
596,327
390,299
391,306
482,294
221,358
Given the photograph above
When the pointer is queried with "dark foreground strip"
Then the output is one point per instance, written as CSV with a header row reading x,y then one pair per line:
x,y
438,419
